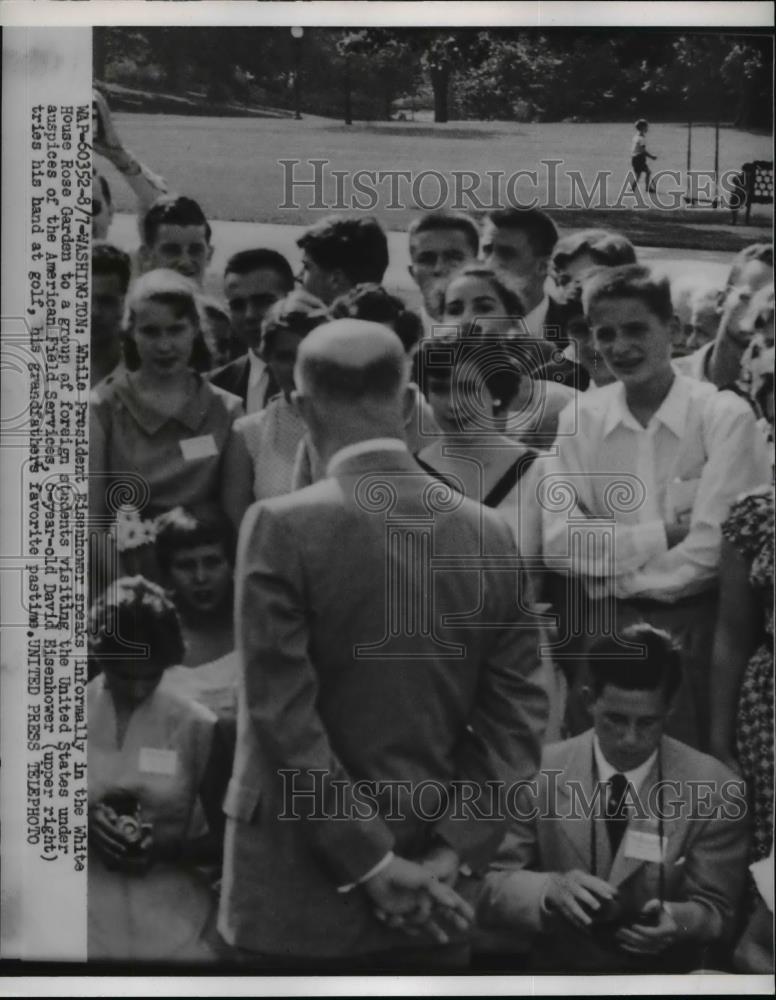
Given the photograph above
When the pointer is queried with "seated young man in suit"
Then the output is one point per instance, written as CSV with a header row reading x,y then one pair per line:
x,y
339,253
518,244
629,854
254,280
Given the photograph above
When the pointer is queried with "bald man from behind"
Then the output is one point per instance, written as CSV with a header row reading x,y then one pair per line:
x,y
390,689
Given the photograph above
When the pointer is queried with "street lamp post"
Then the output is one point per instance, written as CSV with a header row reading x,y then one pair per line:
x,y
297,32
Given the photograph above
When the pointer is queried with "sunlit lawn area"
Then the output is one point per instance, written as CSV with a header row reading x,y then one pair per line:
x,y
231,166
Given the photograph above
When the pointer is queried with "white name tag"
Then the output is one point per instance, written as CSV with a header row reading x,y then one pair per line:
x,y
643,846
153,761
201,447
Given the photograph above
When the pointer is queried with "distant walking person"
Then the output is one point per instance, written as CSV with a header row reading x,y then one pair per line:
x,y
640,155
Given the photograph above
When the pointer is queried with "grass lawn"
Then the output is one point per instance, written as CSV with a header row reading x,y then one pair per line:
x,y
231,166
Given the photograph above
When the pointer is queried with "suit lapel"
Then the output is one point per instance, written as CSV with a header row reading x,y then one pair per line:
x,y
241,379
578,775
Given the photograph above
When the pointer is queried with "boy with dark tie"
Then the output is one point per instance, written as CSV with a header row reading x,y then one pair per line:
x,y
629,853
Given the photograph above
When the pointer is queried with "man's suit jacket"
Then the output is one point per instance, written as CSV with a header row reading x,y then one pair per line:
x,y
381,640
704,862
234,378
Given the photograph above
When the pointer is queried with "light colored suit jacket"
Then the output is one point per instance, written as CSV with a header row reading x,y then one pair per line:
x,y
380,641
706,832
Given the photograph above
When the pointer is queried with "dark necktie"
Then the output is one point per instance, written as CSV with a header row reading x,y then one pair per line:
x,y
616,813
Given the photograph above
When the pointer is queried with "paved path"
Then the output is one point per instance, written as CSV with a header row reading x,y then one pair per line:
x,y
229,237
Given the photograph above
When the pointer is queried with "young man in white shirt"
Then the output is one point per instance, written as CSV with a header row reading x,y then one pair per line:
x,y
648,467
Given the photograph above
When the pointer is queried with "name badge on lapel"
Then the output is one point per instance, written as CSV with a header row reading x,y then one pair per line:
x,y
154,761
644,846
198,447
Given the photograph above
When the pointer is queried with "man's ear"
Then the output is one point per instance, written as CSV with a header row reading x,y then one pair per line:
x,y
210,251
411,269
674,327
588,697
543,268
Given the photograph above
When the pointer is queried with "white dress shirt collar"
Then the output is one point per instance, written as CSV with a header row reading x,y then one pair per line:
x,y
535,319
636,777
363,448
672,412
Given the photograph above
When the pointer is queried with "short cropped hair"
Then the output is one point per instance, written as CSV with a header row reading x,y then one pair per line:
x,y
357,246
632,281
659,666
133,611
299,313
509,298
380,380
172,289
444,221
183,528
762,252
246,261
606,248
173,210
373,303
540,230
108,260
488,360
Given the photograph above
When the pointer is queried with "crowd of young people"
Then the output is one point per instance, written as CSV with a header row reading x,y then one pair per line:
x,y
553,379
